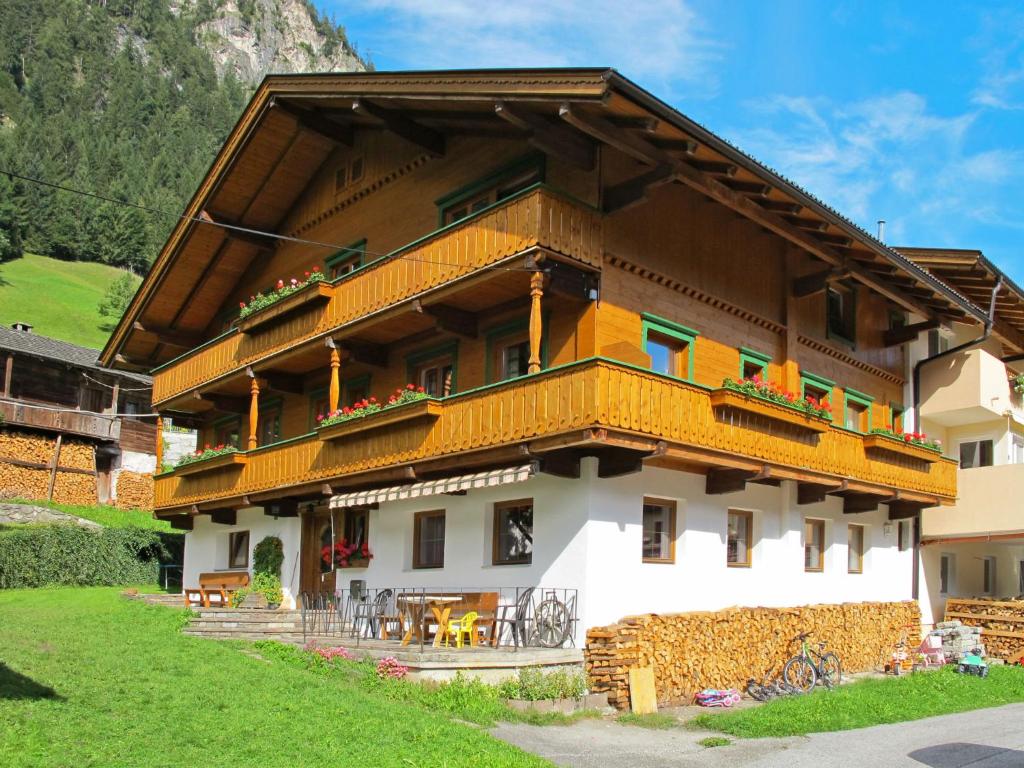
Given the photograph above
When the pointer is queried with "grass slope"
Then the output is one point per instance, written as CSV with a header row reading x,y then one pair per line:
x,y
129,689
110,517
59,298
872,702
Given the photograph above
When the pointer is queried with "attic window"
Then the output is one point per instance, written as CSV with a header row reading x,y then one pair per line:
x,y
349,173
841,317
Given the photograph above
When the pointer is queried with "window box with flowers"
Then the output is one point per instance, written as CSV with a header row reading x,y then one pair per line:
x,y
286,298
346,555
766,399
209,459
913,444
408,404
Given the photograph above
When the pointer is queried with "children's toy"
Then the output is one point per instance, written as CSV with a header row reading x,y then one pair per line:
x,y
727,697
973,664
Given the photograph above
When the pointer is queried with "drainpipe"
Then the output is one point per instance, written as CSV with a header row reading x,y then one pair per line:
x,y
916,383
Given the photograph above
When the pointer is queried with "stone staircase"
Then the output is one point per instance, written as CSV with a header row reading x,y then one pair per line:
x,y
157,598
246,624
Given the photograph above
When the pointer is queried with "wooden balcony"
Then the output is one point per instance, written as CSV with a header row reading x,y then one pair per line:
x,y
80,424
550,408
536,218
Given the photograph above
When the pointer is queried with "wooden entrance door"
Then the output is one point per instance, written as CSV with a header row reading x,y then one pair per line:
x,y
317,572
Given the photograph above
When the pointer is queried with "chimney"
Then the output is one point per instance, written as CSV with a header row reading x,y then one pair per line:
x,y
881,230
24,327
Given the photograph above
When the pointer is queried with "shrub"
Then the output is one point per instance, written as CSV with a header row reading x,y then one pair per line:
x,y
534,684
267,557
50,555
262,583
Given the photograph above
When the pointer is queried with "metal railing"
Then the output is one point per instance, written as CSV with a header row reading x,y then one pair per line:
x,y
172,574
416,617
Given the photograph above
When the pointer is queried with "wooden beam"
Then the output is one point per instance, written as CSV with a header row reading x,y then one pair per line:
x,y
615,462
224,516
756,188
169,336
814,225
601,129
633,191
283,382
808,285
450,319
224,403
630,123
854,503
549,138
686,146
263,242
315,122
896,336
561,464
181,522
8,373
832,238
719,481
54,463
812,493
780,206
281,508
901,509
714,167
425,138
126,362
364,352
571,282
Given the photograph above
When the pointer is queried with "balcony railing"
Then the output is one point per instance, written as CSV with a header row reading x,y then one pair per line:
x,y
52,419
536,217
592,393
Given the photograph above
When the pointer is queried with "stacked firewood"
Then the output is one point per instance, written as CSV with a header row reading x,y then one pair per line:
x,y
723,649
134,490
32,482
1002,622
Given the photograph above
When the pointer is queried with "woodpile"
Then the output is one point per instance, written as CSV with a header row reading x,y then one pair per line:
x,y
1001,622
24,468
723,649
134,490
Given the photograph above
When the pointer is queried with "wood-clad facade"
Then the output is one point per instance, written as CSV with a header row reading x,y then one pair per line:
x,y
571,268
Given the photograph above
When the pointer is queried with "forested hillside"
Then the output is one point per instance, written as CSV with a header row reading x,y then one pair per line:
x,y
123,98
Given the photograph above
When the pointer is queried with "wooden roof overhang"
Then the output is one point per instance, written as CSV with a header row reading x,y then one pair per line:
x,y
294,122
971,274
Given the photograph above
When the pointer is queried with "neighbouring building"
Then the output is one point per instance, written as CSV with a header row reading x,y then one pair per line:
x,y
971,397
68,426
571,270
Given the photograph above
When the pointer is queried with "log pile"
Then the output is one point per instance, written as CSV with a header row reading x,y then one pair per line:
x,y
24,461
723,649
134,490
1001,622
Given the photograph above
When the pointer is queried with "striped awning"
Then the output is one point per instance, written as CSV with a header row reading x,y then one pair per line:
x,y
434,487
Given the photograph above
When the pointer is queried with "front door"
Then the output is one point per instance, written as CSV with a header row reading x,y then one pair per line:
x,y
318,574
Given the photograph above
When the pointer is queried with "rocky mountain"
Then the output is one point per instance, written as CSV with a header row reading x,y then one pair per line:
x,y
252,39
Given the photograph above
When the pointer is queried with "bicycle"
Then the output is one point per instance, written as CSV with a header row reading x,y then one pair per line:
x,y
803,671
767,690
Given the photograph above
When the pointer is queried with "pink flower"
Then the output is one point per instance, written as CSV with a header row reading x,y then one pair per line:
x,y
241,305
280,283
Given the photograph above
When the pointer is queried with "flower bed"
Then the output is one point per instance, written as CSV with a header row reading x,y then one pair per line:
x,y
286,298
758,387
208,459
914,444
410,402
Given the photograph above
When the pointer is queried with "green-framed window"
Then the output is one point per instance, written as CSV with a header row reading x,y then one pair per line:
x,y
857,410
507,349
227,431
670,346
817,387
319,405
348,259
492,188
435,369
753,363
268,423
896,413
841,313
355,388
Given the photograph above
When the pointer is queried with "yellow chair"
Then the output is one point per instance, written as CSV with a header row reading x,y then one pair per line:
x,y
464,627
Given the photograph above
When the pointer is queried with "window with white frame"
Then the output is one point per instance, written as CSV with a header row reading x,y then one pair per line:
x,y
814,545
739,538
855,548
976,453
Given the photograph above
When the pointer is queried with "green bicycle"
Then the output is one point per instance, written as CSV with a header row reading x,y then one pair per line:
x,y
803,671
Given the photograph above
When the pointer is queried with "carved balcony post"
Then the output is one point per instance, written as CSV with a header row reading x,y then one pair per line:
x,y
334,393
536,321
159,443
254,411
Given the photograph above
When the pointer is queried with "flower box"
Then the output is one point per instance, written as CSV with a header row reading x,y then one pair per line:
x,y
414,411
356,562
309,296
233,459
729,398
884,444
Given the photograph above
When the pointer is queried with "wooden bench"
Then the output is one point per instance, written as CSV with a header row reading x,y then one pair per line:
x,y
215,589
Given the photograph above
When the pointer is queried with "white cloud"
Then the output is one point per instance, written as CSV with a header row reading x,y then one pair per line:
x,y
661,42
1000,42
888,157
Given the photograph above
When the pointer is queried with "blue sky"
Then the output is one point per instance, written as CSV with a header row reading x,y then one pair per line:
x,y
912,112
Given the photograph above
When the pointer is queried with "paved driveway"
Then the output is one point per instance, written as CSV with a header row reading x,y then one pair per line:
x,y
985,738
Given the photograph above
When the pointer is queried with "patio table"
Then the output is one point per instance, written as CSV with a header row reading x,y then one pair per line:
x,y
415,605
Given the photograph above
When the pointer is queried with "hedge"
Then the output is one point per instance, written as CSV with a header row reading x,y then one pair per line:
x,y
50,555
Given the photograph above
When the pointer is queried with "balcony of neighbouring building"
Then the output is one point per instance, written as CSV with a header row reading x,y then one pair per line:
x,y
966,388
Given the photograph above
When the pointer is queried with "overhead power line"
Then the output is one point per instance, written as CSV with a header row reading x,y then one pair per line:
x,y
236,227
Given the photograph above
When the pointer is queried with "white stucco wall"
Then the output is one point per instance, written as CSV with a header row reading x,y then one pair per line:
x,y
588,536
206,546
967,573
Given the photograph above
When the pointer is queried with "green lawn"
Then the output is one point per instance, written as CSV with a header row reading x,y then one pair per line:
x,y
90,679
872,702
59,298
111,517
